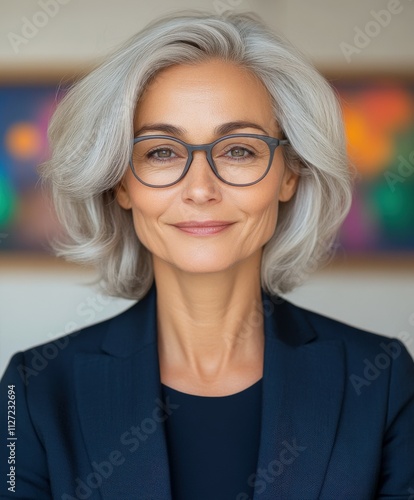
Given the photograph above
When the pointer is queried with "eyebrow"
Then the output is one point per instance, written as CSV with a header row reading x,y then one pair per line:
x,y
223,129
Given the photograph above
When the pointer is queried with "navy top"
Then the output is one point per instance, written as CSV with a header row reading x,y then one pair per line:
x,y
213,444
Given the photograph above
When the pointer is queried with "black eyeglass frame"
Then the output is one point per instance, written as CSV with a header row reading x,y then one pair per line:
x,y
272,142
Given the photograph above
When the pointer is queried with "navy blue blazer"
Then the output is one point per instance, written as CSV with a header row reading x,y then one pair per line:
x,y
337,412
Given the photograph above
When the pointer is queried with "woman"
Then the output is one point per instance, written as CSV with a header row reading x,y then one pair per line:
x,y
202,169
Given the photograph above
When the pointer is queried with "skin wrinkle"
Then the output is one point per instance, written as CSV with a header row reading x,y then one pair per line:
x,y
207,287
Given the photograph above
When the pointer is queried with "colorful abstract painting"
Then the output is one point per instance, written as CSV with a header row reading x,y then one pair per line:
x,y
379,119
26,220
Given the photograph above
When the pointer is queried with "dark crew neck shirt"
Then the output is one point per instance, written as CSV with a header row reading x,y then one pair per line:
x,y
213,444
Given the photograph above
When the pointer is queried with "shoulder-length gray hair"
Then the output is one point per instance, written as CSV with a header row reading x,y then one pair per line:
x,y
91,133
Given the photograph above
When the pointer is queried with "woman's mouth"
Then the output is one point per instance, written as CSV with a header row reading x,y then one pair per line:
x,y
203,228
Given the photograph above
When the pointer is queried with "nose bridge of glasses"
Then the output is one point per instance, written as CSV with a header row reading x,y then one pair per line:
x,y
206,148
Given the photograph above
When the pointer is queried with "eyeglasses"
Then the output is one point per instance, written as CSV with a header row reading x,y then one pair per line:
x,y
237,159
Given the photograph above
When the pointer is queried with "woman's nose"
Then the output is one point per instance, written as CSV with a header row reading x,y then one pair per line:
x,y
201,183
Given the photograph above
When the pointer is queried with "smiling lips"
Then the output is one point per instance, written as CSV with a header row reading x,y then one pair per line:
x,y
203,227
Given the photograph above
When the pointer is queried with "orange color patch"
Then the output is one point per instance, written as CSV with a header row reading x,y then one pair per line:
x,y
23,141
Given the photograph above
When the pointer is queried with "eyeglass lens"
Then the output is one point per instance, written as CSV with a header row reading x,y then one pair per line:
x,y
238,160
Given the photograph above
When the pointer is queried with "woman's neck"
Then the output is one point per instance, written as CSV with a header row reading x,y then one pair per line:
x,y
210,326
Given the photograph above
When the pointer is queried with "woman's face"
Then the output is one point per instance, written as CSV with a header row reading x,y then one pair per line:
x,y
197,99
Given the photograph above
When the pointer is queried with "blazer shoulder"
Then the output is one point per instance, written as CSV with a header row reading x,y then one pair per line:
x,y
58,353
328,328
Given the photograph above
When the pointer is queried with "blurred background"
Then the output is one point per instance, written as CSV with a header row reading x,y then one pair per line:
x,y
365,49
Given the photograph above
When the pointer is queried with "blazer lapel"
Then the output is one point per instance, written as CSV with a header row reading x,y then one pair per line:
x,y
121,409
303,387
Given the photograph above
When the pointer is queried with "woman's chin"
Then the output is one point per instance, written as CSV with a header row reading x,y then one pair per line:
x,y
194,265
202,267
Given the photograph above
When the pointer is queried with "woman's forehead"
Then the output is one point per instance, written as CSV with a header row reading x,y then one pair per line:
x,y
215,90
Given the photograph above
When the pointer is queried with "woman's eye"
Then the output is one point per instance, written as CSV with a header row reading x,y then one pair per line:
x,y
238,152
161,153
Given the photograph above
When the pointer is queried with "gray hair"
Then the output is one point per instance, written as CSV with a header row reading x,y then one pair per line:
x,y
91,131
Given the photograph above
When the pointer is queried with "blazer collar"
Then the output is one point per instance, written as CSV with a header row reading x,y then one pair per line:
x,y
121,409
303,388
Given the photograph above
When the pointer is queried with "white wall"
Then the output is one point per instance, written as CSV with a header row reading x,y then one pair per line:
x,y
79,31
37,304
43,302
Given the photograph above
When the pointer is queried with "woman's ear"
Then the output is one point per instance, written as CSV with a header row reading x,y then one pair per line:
x,y
289,185
122,195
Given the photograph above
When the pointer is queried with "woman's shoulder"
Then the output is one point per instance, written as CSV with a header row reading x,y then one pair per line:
x,y
357,341
55,357
367,356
